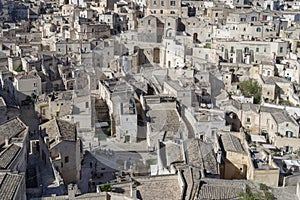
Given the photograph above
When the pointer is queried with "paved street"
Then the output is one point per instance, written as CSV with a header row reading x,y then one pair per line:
x,y
94,171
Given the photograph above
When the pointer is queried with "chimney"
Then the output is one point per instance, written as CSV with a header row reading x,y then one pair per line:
x,y
6,141
270,159
107,197
71,191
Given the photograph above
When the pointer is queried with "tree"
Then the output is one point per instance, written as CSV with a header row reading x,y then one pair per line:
x,y
106,188
251,88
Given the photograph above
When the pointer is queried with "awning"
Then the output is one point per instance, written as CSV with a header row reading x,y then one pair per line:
x,y
269,146
258,138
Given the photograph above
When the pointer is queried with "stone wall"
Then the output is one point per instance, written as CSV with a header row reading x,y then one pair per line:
x,y
292,180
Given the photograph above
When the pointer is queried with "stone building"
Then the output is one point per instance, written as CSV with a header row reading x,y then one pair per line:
x,y
127,130
163,8
27,86
150,29
60,147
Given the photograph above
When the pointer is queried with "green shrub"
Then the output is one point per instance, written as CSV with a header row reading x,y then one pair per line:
x,y
263,187
106,188
251,88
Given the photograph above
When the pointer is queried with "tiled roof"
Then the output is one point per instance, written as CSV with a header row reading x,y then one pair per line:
x,y
200,155
160,187
27,76
63,129
11,128
8,155
164,120
220,189
274,79
9,184
250,106
232,143
281,117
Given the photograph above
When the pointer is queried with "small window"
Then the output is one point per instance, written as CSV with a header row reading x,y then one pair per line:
x,y
162,3
281,49
258,30
161,12
86,104
66,159
257,49
248,119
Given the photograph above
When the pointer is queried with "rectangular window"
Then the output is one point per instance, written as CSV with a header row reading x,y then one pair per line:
x,y
257,49
86,104
161,12
281,49
66,159
248,120
154,2
162,3
172,3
